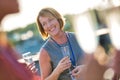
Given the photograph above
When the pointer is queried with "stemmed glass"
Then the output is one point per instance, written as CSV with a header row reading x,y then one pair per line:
x,y
27,57
66,52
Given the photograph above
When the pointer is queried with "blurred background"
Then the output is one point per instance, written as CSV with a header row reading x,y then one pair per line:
x,y
94,22
84,17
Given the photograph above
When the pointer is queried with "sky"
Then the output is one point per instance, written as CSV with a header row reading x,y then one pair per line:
x,y
30,8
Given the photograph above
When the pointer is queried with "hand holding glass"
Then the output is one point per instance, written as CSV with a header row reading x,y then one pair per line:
x,y
66,52
29,61
28,57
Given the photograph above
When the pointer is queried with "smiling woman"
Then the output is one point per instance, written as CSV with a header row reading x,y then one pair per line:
x,y
53,65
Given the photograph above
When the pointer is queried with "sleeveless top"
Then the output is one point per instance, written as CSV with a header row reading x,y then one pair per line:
x,y
56,55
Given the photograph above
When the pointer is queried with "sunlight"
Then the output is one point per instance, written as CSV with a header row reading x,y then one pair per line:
x,y
113,22
27,35
85,33
30,8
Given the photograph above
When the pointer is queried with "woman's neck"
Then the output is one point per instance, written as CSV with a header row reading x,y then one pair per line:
x,y
60,38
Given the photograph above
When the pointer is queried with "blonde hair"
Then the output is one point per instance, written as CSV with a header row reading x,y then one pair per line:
x,y
49,12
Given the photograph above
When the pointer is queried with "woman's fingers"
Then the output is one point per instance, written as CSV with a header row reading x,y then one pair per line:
x,y
64,64
64,59
32,67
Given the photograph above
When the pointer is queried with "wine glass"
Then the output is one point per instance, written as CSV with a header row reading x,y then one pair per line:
x,y
66,52
27,57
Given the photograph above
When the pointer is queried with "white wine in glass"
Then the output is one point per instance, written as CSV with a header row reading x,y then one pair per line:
x,y
66,52
27,57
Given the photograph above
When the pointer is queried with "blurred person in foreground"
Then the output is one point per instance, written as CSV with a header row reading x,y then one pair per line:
x,y
53,65
103,64
10,68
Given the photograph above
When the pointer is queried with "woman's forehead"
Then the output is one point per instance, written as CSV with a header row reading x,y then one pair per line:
x,y
45,17
48,15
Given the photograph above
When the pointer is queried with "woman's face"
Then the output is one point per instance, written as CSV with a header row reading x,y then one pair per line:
x,y
50,24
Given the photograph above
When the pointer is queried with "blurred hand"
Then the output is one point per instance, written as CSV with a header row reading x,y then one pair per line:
x,y
32,67
77,71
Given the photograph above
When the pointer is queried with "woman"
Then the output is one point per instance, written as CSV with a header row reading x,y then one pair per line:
x,y
53,65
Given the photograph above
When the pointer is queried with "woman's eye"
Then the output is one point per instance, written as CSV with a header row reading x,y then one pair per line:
x,y
43,24
51,20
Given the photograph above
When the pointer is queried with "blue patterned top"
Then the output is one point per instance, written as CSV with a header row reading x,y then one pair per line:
x,y
56,55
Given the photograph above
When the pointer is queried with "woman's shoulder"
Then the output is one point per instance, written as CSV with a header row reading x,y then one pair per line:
x,y
43,53
71,34
47,42
46,47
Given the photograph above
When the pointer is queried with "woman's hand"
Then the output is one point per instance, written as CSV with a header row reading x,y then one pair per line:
x,y
64,64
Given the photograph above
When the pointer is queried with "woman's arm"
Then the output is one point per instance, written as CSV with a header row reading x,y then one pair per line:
x,y
46,68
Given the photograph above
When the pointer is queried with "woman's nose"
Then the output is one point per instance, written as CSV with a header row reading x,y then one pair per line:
x,y
48,24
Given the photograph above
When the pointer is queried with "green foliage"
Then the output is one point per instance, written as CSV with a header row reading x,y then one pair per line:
x,y
20,31
69,23
34,29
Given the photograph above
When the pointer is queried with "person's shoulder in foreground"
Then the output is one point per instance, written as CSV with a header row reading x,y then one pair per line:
x,y
10,68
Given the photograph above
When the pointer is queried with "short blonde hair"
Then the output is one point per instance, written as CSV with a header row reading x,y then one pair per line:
x,y
47,12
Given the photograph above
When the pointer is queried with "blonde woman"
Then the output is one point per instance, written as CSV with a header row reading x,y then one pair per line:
x,y
53,65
